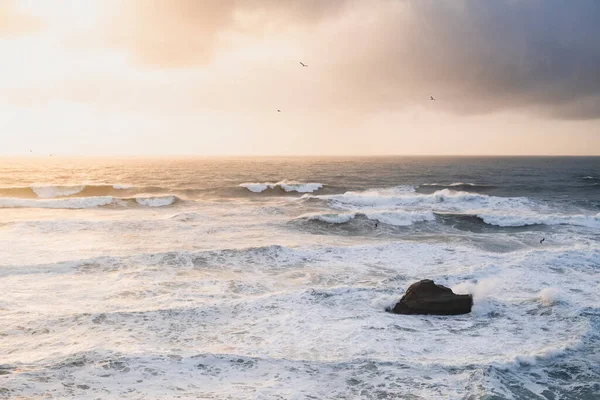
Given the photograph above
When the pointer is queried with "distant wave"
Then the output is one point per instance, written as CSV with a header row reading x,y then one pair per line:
x,y
121,186
406,218
591,178
451,184
521,220
285,185
461,186
59,191
87,202
505,220
399,208
396,218
385,198
159,201
73,203
48,192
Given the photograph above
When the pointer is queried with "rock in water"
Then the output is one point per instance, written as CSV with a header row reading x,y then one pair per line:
x,y
425,297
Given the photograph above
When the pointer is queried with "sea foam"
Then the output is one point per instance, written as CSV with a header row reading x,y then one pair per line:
x,y
287,186
47,192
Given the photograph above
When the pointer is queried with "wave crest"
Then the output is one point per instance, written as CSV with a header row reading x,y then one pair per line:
x,y
396,218
42,191
159,201
285,185
86,202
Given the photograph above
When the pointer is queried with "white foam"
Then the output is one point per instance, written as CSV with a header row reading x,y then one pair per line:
x,y
120,186
160,201
288,186
397,218
74,203
451,184
525,219
48,192
462,184
330,218
549,296
444,198
255,187
401,218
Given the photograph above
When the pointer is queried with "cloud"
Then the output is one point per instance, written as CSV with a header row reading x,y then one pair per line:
x,y
479,57
14,22
474,56
186,32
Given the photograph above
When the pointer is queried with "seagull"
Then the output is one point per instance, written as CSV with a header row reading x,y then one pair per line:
x,y
542,240
432,98
304,65
376,224
278,110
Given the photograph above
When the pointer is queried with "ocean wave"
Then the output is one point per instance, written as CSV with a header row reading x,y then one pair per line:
x,y
285,185
506,220
72,203
591,178
445,197
48,192
451,184
459,186
86,202
59,191
396,218
159,201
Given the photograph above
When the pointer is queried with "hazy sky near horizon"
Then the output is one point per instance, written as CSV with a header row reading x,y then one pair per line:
x,y
206,77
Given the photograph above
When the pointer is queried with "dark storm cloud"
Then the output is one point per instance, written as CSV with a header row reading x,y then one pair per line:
x,y
474,56
482,56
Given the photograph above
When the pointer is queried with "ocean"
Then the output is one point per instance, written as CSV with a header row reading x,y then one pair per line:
x,y
269,278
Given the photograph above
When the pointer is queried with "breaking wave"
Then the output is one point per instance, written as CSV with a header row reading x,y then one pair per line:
x,y
506,220
401,208
458,186
87,202
386,198
160,201
285,185
58,191
396,218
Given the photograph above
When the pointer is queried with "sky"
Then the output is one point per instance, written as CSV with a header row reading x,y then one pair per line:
x,y
207,77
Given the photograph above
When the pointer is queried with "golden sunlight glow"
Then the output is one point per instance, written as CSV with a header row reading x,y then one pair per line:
x,y
201,77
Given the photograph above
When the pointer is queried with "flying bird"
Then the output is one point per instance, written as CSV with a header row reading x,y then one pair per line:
x,y
304,65
432,98
278,110
542,240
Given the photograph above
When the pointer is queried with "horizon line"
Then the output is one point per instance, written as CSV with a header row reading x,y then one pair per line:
x,y
52,155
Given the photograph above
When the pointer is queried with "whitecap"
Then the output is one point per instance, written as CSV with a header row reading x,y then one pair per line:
x,y
120,186
160,201
288,186
48,192
73,203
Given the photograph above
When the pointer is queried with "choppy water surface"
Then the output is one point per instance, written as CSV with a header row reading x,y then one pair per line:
x,y
268,278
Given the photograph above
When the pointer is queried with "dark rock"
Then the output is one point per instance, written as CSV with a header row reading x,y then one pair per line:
x,y
425,297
